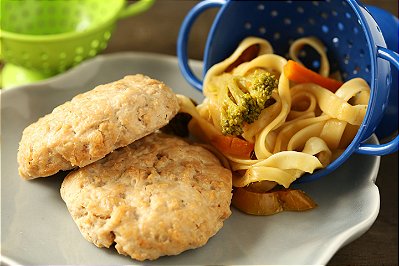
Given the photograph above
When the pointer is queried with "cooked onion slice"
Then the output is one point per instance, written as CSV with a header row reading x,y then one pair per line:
x,y
269,203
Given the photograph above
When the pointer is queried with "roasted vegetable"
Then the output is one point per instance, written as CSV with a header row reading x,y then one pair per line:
x,y
233,146
272,202
300,74
242,98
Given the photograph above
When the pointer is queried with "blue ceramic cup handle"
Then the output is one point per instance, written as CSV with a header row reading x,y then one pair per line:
x,y
182,39
391,146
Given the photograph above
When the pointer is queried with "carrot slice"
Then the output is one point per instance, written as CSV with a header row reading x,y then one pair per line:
x,y
233,146
300,74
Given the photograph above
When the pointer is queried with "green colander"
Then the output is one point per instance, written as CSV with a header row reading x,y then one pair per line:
x,y
42,38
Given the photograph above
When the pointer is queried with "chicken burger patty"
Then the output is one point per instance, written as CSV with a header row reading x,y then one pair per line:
x,y
158,196
94,124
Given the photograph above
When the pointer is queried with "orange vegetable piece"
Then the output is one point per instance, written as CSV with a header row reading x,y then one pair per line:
x,y
233,146
268,203
300,74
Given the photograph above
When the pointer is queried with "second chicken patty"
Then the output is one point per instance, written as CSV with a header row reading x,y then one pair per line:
x,y
158,196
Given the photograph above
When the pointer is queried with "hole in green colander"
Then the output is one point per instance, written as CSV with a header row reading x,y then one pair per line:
x,y
29,25
51,9
66,10
103,45
39,11
92,52
77,59
95,43
79,50
107,35
62,55
62,67
25,13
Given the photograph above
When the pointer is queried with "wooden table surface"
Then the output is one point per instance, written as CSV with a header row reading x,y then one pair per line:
x,y
156,31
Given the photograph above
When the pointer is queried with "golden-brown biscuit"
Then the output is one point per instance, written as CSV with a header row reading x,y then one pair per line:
x,y
94,124
158,196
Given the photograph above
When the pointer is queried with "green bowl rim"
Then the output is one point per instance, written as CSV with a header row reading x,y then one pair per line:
x,y
67,35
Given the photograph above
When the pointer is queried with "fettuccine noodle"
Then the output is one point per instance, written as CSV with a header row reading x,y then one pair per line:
x,y
305,128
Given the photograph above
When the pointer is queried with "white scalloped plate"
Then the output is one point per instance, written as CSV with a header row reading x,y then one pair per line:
x,y
37,228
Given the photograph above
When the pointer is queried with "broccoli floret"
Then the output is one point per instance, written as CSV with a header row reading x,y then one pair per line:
x,y
261,85
243,99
